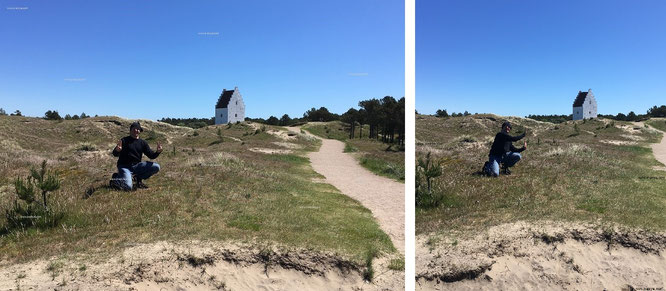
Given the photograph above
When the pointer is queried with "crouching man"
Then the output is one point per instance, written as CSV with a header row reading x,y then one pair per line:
x,y
503,152
129,151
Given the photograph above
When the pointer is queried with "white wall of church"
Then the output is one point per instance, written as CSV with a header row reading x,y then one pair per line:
x,y
221,116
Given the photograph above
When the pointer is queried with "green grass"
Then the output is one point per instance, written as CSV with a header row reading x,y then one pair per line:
x,y
397,264
563,176
205,191
658,123
381,158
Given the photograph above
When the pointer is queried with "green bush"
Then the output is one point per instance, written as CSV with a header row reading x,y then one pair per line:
x,y
427,169
27,211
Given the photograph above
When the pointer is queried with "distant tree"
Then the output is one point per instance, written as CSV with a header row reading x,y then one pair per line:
x,y
16,113
285,120
631,116
83,115
441,113
321,114
466,113
350,117
75,116
388,118
68,117
272,120
621,116
400,122
2,112
657,111
371,115
189,122
362,118
551,118
52,115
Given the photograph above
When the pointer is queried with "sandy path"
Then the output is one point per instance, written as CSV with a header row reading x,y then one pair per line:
x,y
383,196
659,150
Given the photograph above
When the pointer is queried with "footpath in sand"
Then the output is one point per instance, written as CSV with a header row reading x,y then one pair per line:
x,y
659,150
383,196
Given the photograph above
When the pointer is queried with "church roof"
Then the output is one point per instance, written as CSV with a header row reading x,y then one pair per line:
x,y
580,99
225,97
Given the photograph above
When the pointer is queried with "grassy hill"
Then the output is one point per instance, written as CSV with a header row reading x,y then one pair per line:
x,y
598,171
380,158
215,184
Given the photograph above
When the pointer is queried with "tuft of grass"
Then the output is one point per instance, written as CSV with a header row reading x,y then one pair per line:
x,y
86,147
383,168
397,264
55,268
369,272
350,148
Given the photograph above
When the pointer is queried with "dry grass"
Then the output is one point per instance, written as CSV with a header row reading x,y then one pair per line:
x,y
566,174
206,190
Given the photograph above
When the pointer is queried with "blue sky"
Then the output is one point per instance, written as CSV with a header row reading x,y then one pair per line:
x,y
153,59
520,57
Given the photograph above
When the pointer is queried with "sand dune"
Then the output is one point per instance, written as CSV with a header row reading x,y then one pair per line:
x,y
548,256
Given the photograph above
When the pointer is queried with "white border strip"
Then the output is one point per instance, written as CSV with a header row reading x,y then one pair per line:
x,y
410,107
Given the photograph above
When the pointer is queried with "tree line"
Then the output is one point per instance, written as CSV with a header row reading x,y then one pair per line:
x,y
189,122
50,115
385,119
443,113
631,116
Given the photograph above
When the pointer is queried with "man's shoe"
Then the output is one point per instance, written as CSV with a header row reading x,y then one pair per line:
x,y
507,171
141,185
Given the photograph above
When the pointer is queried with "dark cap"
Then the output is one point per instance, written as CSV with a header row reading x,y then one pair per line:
x,y
506,123
136,124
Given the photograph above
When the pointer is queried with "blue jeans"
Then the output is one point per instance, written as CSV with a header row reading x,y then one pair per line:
x,y
509,159
141,171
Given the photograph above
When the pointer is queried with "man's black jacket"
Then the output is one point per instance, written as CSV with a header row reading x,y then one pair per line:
x,y
132,151
503,143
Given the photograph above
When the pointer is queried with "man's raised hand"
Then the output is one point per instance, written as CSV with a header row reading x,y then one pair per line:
x,y
159,147
119,146
525,144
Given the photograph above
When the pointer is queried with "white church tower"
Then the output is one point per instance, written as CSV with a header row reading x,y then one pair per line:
x,y
585,106
230,107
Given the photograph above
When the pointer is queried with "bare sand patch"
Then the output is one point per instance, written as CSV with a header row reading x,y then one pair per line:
x,y
285,135
548,256
618,142
287,145
270,151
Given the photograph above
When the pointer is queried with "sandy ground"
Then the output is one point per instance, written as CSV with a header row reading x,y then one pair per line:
x,y
192,266
383,196
547,256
